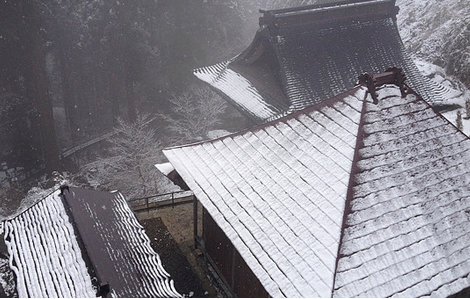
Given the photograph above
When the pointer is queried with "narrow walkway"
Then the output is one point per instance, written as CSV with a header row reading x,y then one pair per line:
x,y
178,222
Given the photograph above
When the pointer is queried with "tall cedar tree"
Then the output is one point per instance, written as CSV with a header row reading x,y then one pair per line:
x,y
37,84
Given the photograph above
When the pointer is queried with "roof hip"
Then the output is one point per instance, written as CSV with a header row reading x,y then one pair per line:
x,y
326,12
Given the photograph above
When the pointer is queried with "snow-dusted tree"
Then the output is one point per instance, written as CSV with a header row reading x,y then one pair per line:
x,y
193,114
276,4
456,50
130,166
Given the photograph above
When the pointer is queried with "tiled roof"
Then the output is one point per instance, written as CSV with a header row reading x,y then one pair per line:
x,y
44,253
117,245
345,198
407,230
54,242
249,98
310,54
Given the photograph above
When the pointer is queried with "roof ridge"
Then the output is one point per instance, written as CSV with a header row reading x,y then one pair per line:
x,y
349,193
338,10
320,6
372,82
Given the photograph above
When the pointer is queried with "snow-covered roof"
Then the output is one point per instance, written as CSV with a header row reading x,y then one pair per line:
x,y
71,245
247,96
304,55
345,198
44,253
165,168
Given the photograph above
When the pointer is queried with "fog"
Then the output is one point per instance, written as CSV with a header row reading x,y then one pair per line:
x,y
84,83
71,71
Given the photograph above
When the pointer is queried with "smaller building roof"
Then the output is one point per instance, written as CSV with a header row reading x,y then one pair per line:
x,y
44,253
345,198
82,243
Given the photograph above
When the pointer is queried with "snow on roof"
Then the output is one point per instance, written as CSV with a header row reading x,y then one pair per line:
x,y
44,253
165,168
52,244
407,231
396,173
234,85
279,192
435,77
313,53
117,245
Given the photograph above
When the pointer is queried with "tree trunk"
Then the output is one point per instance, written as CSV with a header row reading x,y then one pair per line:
x,y
114,92
38,86
69,99
130,99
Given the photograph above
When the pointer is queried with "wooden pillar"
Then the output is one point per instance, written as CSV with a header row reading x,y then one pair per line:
x,y
195,221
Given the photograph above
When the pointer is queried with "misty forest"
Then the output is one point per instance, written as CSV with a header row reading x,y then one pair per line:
x,y
91,91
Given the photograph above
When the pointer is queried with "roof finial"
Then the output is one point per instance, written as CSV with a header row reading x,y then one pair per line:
x,y
63,188
393,75
369,81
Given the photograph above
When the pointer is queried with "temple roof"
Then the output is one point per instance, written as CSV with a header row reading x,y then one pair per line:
x,y
301,56
344,198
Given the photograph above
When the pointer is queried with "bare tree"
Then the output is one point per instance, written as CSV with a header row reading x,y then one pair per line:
x,y
193,114
130,166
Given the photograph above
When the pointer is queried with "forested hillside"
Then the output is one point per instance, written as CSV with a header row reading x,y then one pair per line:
x,y
75,67
438,32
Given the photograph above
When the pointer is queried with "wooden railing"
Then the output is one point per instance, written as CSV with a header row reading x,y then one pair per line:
x,y
148,203
86,144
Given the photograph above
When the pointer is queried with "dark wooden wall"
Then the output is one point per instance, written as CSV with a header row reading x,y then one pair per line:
x,y
230,264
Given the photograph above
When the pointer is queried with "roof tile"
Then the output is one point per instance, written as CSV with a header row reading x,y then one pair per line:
x,y
405,172
273,187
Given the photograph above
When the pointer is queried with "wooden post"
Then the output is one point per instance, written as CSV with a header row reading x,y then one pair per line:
x,y
234,267
195,220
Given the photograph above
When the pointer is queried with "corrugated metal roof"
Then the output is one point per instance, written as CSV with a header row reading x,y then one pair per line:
x,y
54,242
313,55
395,172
